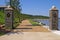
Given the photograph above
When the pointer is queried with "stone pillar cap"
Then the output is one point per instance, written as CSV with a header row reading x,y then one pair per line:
x,y
53,8
8,8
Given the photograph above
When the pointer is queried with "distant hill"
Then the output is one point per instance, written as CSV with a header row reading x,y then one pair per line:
x,y
26,16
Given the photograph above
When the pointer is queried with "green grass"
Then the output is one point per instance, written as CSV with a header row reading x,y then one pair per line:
x,y
34,23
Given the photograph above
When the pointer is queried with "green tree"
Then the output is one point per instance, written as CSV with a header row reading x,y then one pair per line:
x,y
15,4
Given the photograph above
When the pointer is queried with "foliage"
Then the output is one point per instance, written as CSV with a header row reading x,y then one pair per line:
x,y
2,17
15,4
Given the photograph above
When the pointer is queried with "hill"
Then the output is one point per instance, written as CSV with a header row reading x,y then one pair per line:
x,y
26,16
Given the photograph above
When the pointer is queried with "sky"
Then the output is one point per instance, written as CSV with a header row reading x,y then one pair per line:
x,y
37,7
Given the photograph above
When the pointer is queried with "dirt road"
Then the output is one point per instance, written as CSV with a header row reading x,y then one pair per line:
x,y
27,24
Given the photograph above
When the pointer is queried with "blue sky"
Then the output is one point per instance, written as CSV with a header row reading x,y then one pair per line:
x,y
37,7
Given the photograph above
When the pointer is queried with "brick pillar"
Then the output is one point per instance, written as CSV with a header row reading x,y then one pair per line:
x,y
54,18
9,18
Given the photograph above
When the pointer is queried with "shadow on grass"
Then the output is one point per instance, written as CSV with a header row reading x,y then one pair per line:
x,y
3,32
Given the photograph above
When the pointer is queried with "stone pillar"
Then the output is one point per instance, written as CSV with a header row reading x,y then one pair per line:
x,y
54,18
9,18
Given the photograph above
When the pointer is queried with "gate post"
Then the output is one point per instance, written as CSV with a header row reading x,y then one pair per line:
x,y
9,18
53,18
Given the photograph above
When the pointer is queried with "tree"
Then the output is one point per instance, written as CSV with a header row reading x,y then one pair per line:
x,y
15,4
